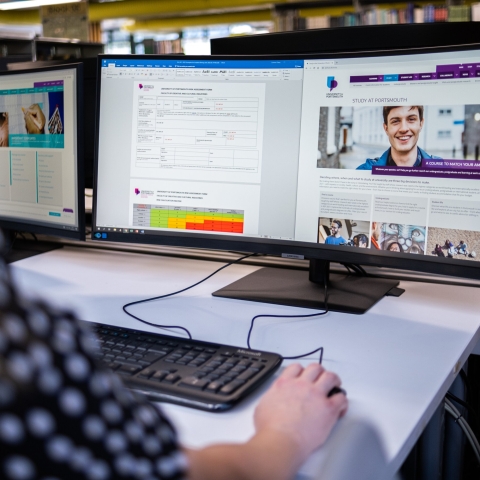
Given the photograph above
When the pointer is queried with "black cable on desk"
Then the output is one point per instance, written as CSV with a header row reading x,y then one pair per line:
x,y
177,327
358,269
320,349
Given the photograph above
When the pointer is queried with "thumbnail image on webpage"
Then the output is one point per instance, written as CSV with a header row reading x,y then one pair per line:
x,y
34,119
368,137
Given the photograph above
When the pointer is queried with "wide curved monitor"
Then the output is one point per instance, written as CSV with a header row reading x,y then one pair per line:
x,y
367,159
350,39
41,159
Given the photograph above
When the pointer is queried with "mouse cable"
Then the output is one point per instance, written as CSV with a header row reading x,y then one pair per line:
x,y
469,408
357,269
320,349
470,387
178,327
472,439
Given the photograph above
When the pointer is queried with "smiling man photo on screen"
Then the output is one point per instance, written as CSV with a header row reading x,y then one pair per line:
x,y
402,125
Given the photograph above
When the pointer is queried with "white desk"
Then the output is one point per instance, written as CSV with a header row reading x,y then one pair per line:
x,y
396,362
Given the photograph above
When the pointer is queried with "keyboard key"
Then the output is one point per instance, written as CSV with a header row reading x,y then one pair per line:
x,y
151,357
238,369
127,361
213,364
196,363
247,374
159,350
128,369
257,368
160,374
147,373
244,363
172,378
194,382
215,386
231,387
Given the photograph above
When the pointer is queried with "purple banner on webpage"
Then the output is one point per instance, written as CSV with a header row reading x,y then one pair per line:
x,y
56,83
455,164
427,172
366,78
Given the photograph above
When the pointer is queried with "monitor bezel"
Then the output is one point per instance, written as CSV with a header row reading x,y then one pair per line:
x,y
41,228
296,249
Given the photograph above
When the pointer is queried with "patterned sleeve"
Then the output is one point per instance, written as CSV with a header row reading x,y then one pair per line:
x,y
64,417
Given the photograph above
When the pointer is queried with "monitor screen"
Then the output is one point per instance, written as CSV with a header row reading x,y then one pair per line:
x,y
41,167
362,158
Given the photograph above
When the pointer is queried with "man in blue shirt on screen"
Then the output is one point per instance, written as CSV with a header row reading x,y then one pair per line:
x,y
335,238
403,126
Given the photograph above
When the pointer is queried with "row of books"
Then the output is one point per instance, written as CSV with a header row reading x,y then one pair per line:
x,y
377,15
163,47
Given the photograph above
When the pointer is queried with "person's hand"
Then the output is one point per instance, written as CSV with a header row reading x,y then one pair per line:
x,y
297,405
34,119
4,131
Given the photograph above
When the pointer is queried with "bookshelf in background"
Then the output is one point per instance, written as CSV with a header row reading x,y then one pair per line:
x,y
163,47
310,15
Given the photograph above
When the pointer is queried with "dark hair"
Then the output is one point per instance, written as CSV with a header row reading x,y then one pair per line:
x,y
338,222
360,238
395,243
387,110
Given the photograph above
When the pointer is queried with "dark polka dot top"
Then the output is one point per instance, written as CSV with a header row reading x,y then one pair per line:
x,y
63,417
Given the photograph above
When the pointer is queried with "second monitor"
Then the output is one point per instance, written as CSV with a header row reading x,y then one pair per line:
x,y
41,160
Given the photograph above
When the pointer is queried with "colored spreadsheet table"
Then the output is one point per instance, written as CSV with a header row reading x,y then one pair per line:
x,y
188,218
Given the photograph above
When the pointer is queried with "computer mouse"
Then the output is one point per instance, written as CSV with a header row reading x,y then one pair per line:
x,y
336,390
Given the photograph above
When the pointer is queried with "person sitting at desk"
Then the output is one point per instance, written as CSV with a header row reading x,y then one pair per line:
x,y
63,416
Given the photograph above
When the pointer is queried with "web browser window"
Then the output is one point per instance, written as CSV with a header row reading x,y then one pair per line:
x,y
389,154
38,148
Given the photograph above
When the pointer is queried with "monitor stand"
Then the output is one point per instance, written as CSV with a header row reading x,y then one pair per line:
x,y
19,248
299,288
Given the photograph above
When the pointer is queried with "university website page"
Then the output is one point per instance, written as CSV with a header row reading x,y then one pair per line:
x,y
38,148
389,155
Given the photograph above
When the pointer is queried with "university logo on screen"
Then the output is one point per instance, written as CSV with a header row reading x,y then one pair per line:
x,y
331,85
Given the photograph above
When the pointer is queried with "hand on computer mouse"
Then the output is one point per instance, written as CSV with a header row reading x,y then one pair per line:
x,y
298,405
336,390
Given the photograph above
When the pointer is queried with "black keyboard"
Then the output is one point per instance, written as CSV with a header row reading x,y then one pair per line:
x,y
202,375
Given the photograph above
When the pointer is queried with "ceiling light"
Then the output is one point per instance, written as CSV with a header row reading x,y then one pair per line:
x,y
17,4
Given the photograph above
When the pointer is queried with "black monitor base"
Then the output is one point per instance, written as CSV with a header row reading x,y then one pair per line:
x,y
346,293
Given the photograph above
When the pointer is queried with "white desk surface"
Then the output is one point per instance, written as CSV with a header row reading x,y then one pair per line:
x,y
396,362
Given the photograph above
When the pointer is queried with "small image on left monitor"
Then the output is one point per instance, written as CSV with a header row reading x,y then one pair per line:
x,y
41,157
